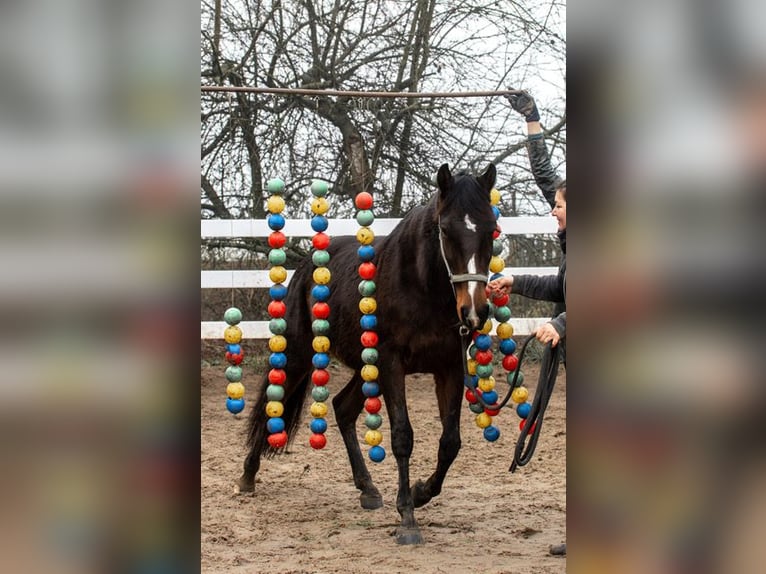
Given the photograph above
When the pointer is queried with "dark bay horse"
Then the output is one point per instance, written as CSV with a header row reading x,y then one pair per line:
x,y
431,278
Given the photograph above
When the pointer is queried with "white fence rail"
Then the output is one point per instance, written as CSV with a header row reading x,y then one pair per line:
x,y
231,279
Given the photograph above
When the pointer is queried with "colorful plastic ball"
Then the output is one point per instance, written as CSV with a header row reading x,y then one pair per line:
x,y
501,300
320,393
318,410
484,371
276,309
277,344
232,315
234,348
483,342
320,360
275,185
277,257
367,288
278,326
510,362
277,440
369,356
232,334
320,257
366,252
319,223
320,310
502,314
320,241
235,390
277,376
369,339
377,454
373,437
235,406
497,247
532,428
519,379
278,291
275,425
365,217
234,359
483,420
470,396
368,305
493,410
367,270
365,236
507,346
523,410
494,196
472,350
320,344
233,374
320,377
519,395
318,425
373,421
475,408
486,384
320,292
275,392
484,357
368,322
370,389
495,211
363,200
496,233
504,331
319,206
369,373
495,276
496,264
490,397
320,326
277,239
275,221
319,188
278,360
471,365
372,405
275,204
318,441
274,409
487,328
277,274
491,433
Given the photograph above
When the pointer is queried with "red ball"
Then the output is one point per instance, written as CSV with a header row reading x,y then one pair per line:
x,y
501,300
363,200
369,339
372,405
321,310
277,309
496,233
510,362
469,396
367,270
493,412
320,240
317,441
235,359
277,239
278,439
484,357
277,376
522,422
320,377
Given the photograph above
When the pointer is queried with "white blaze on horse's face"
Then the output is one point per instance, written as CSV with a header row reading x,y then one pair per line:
x,y
474,287
470,225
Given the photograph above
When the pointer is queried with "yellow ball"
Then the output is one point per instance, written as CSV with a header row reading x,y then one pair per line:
x,y
486,328
373,437
487,384
368,305
321,344
319,206
318,410
322,275
277,344
277,274
519,395
483,420
274,409
235,390
496,264
471,365
232,334
365,236
504,330
370,373
494,196
275,204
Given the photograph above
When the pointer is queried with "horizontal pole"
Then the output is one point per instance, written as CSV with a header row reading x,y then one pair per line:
x,y
355,93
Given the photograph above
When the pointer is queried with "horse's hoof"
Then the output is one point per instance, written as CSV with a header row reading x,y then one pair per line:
x,y
371,501
420,496
246,485
408,536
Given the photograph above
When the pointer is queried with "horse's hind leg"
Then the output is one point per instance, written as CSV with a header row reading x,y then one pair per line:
x,y
347,405
449,392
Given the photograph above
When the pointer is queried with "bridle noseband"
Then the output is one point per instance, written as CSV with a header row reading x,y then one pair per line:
x,y
459,277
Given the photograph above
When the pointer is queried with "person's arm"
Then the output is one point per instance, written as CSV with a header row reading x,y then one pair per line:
x,y
541,287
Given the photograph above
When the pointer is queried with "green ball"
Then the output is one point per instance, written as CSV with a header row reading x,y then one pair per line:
x,y
275,185
319,188
320,258
232,315
275,392
373,421
367,288
320,393
484,371
233,374
519,381
502,314
476,408
370,355
277,257
365,218
278,326
472,350
320,326
497,247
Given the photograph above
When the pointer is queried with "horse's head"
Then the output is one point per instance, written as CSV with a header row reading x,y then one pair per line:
x,y
466,223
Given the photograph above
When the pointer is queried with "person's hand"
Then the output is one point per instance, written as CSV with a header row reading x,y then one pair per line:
x,y
524,104
548,334
500,285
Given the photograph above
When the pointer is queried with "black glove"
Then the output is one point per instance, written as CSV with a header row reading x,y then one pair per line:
x,y
524,104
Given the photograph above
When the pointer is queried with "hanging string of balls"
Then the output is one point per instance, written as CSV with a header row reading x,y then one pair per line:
x,y
320,309
235,390
277,376
369,321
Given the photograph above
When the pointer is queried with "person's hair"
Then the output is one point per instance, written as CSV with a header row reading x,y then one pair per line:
x,y
562,188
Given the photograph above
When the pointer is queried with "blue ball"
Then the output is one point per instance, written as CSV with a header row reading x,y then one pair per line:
x,y
370,389
507,346
491,433
496,276
490,397
377,453
276,424
319,223
320,360
366,252
483,342
496,211
276,221
277,360
278,291
368,322
318,426
320,292
470,381
233,348
235,405
523,410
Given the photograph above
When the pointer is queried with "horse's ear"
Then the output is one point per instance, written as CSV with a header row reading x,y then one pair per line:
x,y
488,178
443,179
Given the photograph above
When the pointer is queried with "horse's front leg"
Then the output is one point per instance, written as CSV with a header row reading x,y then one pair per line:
x,y
449,393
